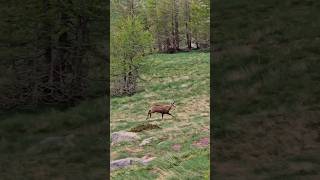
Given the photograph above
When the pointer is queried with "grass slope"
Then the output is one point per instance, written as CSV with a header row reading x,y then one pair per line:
x,y
267,103
185,78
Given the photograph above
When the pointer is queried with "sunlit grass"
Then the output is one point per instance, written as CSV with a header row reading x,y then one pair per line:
x,y
185,78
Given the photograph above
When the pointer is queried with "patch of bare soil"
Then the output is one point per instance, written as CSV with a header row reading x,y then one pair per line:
x,y
144,127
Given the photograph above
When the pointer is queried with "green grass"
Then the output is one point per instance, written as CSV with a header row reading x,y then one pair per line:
x,y
267,87
184,77
80,146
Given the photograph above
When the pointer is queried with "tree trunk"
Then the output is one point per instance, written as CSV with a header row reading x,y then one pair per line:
x,y
124,76
187,20
173,36
176,22
197,41
157,29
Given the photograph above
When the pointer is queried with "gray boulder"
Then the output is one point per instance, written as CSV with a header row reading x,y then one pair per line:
x,y
122,136
121,163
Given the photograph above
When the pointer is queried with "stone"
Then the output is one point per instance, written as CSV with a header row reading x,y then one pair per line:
x,y
121,163
122,136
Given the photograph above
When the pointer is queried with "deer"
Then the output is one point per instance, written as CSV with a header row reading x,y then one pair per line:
x,y
161,108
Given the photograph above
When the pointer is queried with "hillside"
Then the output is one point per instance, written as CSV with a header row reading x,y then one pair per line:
x,y
267,108
185,78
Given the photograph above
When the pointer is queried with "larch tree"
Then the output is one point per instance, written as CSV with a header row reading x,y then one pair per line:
x,y
129,42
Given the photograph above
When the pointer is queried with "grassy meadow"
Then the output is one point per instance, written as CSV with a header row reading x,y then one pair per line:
x,y
184,77
267,102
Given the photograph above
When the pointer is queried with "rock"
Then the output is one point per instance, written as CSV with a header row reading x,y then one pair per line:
x,y
146,141
121,163
121,136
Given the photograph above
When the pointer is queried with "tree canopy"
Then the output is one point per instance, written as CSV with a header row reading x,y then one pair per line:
x,y
139,27
52,52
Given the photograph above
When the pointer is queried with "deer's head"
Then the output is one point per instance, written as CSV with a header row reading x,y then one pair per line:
x,y
173,104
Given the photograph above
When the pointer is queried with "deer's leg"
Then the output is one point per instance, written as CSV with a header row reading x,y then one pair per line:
x,y
170,114
162,115
149,114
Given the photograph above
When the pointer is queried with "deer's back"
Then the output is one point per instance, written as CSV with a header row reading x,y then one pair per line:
x,y
160,108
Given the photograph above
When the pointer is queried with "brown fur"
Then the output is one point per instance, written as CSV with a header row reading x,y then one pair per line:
x,y
160,108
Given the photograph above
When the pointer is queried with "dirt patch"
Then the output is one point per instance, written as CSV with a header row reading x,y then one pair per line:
x,y
144,127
